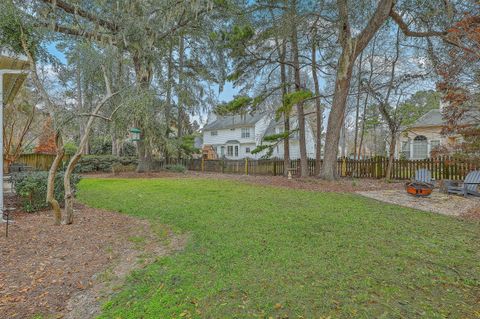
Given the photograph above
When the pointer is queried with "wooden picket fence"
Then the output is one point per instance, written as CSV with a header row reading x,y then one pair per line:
x,y
441,167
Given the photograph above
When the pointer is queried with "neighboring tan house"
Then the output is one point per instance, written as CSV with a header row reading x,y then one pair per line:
x,y
418,140
235,137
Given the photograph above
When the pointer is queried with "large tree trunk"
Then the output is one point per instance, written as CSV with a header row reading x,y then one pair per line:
x,y
318,109
300,111
351,48
57,212
337,113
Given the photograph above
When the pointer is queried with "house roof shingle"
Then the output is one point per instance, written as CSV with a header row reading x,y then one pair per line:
x,y
435,118
223,122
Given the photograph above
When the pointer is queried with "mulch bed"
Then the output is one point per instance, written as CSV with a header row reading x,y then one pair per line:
x,y
43,266
311,183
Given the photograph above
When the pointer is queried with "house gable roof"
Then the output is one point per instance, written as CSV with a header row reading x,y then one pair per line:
x,y
224,122
431,118
435,118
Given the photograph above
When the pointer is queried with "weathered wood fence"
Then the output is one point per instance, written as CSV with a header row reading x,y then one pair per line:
x,y
441,167
41,162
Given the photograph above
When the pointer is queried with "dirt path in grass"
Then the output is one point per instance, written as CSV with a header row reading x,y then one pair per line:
x,y
67,271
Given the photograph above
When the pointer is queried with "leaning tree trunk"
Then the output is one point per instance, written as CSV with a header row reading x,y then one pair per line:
x,y
67,184
57,212
337,112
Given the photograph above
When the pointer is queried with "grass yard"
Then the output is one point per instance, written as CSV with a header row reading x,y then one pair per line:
x,y
259,251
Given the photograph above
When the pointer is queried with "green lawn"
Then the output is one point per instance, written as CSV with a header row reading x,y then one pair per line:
x,y
258,252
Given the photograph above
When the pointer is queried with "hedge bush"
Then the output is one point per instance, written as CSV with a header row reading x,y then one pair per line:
x,y
103,163
31,187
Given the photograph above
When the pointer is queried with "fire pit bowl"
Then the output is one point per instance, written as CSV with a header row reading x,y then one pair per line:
x,y
419,189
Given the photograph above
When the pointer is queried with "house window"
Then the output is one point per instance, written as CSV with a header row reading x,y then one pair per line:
x,y
236,151
278,129
213,133
247,149
245,132
420,147
229,150
222,150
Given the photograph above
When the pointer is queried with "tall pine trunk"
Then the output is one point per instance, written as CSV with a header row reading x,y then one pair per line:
x,y
318,108
357,106
300,111
181,92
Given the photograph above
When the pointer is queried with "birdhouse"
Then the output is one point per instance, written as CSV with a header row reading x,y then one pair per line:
x,y
135,134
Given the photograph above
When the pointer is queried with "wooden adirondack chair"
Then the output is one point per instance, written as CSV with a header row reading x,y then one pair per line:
x,y
423,175
468,187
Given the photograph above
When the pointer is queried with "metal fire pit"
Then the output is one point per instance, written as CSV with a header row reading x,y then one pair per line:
x,y
419,189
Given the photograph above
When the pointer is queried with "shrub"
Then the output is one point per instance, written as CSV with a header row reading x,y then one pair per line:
x,y
178,168
32,188
102,163
70,148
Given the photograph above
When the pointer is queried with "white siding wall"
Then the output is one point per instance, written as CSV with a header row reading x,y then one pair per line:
x,y
227,135
295,145
256,135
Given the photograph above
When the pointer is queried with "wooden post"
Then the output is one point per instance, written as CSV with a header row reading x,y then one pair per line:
x,y
203,164
344,167
246,166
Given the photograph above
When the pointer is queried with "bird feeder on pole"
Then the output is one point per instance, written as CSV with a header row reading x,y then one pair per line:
x,y
135,134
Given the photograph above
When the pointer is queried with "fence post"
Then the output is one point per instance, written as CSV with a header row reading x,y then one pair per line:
x,y
203,164
246,165
344,167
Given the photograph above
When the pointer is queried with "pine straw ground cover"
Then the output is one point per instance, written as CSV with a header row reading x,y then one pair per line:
x,y
49,271
258,252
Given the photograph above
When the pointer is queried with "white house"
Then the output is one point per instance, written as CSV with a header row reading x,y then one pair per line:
x,y
235,137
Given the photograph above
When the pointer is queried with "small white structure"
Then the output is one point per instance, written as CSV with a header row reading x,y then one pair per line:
x,y
12,74
235,137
